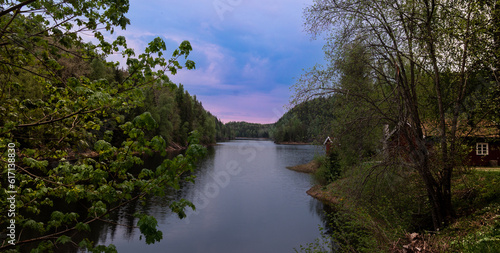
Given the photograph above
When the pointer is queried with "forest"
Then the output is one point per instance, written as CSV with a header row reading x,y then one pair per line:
x,y
404,84
248,130
75,128
178,114
307,122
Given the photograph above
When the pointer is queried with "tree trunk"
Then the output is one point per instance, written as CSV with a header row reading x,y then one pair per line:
x,y
440,194
438,191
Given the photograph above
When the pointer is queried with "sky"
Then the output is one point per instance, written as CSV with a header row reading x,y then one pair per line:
x,y
247,53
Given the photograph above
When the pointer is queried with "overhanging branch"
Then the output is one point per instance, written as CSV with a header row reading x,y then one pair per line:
x,y
16,7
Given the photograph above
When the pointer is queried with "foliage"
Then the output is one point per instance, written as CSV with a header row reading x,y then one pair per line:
x,y
80,125
397,64
347,231
351,232
391,196
478,204
248,130
487,240
306,122
389,205
178,113
329,168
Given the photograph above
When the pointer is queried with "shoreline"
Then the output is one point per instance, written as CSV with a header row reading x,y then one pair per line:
x,y
323,194
317,191
308,168
293,143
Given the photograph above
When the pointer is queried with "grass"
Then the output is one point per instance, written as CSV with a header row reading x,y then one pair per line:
x,y
490,169
309,167
390,206
477,201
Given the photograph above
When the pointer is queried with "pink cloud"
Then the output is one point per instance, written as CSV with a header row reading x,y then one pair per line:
x,y
254,107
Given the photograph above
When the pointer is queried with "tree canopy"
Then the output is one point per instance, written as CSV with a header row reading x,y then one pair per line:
x,y
418,67
77,127
248,130
306,122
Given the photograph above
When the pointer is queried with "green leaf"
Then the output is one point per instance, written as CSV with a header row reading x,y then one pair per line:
x,y
102,146
38,226
32,163
159,144
179,206
145,120
190,64
63,239
185,48
80,226
148,227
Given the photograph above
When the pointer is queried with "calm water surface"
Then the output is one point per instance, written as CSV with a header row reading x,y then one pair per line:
x,y
246,201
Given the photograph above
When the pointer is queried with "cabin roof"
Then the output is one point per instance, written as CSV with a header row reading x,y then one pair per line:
x,y
483,129
327,140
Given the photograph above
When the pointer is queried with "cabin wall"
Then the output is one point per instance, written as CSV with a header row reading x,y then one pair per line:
x,y
493,157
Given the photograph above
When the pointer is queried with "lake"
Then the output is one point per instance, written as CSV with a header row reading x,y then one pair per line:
x,y
246,201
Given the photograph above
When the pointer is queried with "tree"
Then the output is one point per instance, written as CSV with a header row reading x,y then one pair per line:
x,y
417,64
62,125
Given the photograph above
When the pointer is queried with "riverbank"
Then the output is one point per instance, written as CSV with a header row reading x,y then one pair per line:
x,y
293,143
388,221
73,156
309,167
324,194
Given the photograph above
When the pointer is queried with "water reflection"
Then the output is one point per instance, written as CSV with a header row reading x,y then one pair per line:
x,y
246,200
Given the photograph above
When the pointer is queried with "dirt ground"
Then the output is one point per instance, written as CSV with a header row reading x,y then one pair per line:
x,y
309,167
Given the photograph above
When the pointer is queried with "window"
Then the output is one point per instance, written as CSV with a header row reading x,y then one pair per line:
x,y
481,148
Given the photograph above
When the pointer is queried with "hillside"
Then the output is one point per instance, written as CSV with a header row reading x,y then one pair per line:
x,y
249,130
307,122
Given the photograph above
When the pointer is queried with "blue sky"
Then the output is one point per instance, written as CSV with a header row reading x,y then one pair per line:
x,y
247,53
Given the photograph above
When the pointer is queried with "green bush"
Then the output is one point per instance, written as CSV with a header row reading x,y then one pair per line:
x,y
329,169
346,231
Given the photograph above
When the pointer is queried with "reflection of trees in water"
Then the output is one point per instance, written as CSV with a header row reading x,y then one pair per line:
x,y
44,216
120,222
324,211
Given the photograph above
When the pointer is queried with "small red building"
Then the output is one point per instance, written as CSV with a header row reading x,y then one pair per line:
x,y
328,144
485,152
483,142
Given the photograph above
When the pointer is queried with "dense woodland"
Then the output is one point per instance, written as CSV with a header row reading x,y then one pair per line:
x,y
249,130
179,113
308,122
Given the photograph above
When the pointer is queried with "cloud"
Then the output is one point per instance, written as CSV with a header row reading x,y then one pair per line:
x,y
214,67
245,61
256,107
255,68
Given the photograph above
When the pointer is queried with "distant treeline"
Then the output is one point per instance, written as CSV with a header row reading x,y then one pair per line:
x,y
249,130
307,122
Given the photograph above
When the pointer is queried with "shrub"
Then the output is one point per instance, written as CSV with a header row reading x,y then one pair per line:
x,y
329,169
